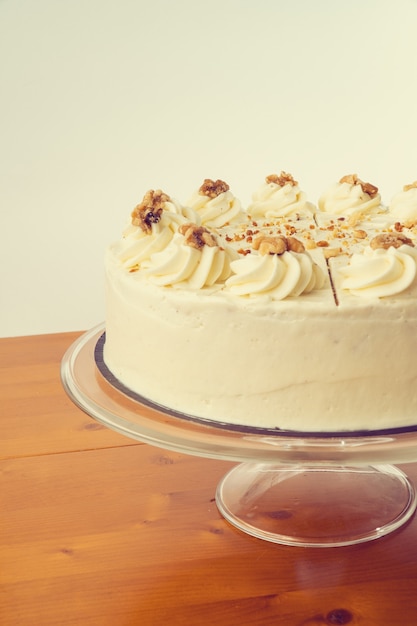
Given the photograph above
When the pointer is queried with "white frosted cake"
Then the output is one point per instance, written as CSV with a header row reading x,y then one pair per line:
x,y
277,315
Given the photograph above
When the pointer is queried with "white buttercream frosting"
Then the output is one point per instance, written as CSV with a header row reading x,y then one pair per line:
x,y
216,210
139,242
278,276
380,273
182,265
273,199
136,246
350,198
403,206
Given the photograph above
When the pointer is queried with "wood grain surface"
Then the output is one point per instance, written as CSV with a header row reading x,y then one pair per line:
x,y
100,530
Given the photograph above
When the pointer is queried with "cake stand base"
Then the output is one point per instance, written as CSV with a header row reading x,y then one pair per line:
x,y
316,506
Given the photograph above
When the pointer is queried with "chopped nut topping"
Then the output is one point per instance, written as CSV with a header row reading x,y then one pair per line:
x,y
360,234
213,188
197,236
282,179
410,186
355,219
388,240
353,179
277,245
149,211
290,229
329,253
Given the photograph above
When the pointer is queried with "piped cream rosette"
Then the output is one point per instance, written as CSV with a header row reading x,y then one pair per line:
x,y
280,196
351,197
215,204
388,266
403,206
193,259
279,268
154,223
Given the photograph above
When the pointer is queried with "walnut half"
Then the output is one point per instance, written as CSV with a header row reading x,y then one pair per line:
x,y
149,211
388,240
197,236
213,188
353,179
283,179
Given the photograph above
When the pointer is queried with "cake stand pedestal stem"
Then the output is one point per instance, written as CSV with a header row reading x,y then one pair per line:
x,y
316,505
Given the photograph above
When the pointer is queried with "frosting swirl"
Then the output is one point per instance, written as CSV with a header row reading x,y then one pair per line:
x,y
278,276
182,264
151,229
215,204
380,273
136,246
274,199
403,205
350,197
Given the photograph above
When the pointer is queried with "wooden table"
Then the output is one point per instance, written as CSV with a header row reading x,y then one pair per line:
x,y
99,530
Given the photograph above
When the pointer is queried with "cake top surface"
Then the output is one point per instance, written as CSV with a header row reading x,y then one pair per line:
x,y
281,245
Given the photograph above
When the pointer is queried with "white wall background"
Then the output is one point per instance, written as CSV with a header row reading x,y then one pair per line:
x,y
101,100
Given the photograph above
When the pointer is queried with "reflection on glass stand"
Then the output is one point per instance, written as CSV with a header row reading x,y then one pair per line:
x,y
316,505
299,489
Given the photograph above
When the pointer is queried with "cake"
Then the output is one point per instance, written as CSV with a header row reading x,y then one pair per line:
x,y
282,315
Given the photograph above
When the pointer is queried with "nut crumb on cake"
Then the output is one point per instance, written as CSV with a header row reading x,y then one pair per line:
x,y
330,253
295,245
353,179
360,234
197,236
149,211
213,188
283,179
356,218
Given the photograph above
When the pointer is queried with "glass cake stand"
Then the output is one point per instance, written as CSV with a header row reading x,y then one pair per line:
x,y
293,488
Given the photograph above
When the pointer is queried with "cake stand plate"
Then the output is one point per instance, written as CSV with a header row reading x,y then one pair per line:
x,y
293,488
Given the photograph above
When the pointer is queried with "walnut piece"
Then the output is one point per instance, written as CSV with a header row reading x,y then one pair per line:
x,y
388,240
359,233
277,245
213,188
197,236
283,179
353,179
149,211
410,186
330,253
295,245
